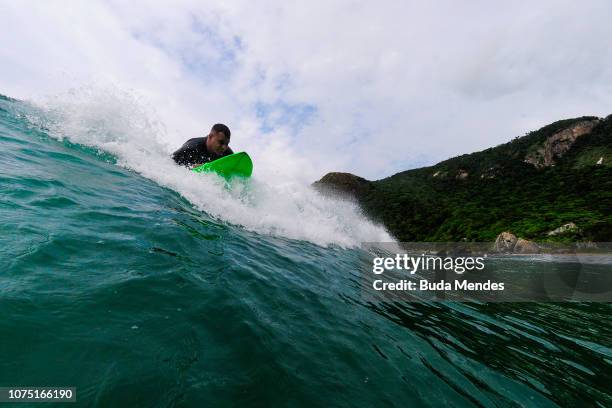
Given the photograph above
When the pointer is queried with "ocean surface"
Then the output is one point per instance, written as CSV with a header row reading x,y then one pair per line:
x,y
142,284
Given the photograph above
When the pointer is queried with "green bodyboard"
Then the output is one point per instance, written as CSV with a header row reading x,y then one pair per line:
x,y
237,164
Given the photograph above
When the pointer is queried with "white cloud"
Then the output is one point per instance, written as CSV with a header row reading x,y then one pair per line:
x,y
391,84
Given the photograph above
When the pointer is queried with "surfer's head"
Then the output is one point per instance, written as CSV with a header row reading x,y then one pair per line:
x,y
218,139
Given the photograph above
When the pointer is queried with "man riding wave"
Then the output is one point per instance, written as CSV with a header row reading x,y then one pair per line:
x,y
200,150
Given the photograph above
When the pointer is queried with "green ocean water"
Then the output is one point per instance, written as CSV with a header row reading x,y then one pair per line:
x,y
122,288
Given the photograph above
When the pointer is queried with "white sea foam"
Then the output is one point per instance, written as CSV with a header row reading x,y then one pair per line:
x,y
274,201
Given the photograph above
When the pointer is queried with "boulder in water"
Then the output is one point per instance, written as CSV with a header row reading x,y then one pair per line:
x,y
524,246
505,242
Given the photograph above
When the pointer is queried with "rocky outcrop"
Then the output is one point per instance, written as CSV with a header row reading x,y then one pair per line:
x,y
524,246
569,227
508,243
557,145
343,184
462,175
505,242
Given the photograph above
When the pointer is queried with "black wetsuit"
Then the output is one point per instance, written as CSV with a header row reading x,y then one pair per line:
x,y
194,151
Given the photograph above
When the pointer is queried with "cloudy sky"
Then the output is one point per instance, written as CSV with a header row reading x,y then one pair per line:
x,y
372,88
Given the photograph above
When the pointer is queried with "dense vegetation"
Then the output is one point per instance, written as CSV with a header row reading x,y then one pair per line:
x,y
476,196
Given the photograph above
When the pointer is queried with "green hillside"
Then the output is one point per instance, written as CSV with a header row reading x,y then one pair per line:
x,y
528,186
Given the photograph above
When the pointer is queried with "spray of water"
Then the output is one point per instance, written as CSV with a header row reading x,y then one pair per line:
x,y
120,123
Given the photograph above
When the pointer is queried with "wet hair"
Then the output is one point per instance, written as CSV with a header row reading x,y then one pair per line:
x,y
219,127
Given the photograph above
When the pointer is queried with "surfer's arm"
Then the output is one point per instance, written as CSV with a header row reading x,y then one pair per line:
x,y
184,155
180,157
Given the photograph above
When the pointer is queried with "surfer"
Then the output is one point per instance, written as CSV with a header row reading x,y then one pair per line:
x,y
200,150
